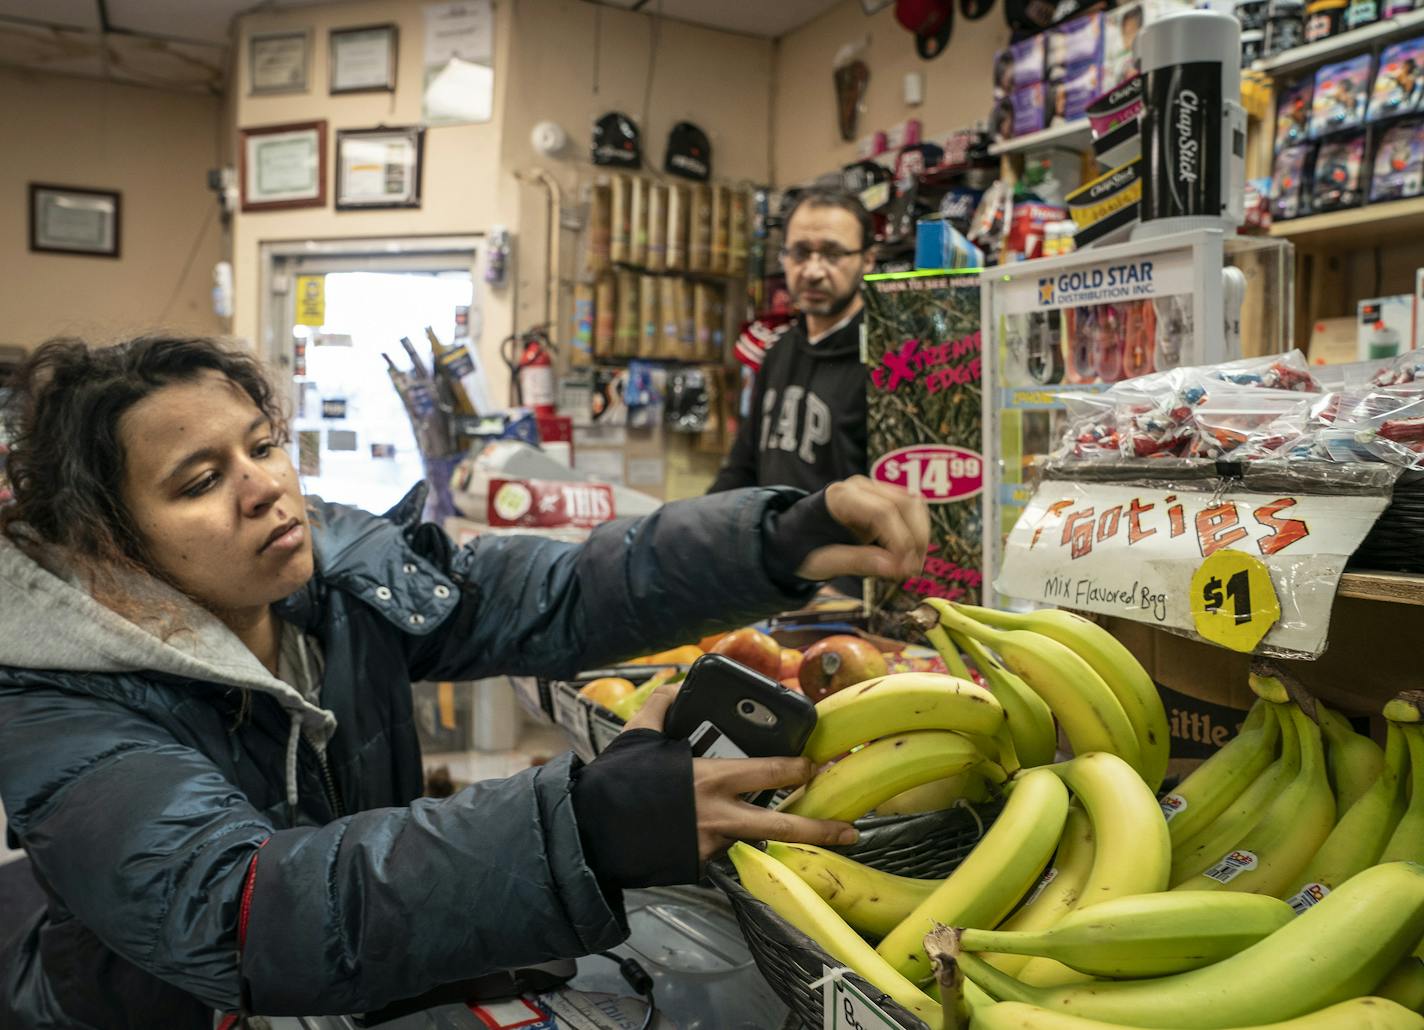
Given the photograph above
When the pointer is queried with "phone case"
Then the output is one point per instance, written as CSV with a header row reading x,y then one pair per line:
x,y
717,689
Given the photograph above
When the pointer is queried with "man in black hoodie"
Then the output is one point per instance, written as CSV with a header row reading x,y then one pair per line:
x,y
806,424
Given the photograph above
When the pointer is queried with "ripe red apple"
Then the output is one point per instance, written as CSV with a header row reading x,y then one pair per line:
x,y
752,648
790,663
837,662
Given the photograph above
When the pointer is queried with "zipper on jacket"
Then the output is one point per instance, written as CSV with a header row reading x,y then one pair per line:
x,y
328,782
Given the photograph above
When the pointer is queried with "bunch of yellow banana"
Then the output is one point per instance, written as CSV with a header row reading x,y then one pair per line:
x,y
906,741
1243,964
1050,664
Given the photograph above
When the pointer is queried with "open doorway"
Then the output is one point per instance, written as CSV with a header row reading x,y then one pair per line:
x,y
333,318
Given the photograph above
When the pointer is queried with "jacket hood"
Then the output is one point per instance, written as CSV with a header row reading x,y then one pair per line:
x,y
50,621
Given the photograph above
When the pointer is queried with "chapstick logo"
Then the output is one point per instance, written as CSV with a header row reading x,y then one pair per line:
x,y
1188,107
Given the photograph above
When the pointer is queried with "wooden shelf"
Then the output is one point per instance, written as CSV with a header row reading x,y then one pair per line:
x,y
1368,226
1393,587
1075,135
1313,54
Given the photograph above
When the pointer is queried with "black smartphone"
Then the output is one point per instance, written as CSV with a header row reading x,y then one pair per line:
x,y
726,710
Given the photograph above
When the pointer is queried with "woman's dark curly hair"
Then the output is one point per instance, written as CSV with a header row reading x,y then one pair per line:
x,y
66,463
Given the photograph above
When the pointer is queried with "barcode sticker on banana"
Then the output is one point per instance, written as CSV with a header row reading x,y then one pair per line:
x,y
1308,896
1043,882
1232,866
1173,805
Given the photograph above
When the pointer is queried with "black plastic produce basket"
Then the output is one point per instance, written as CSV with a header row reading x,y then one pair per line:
x,y
930,845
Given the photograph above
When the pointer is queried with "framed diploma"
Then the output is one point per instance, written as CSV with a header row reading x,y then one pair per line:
x,y
378,168
277,62
70,220
363,59
283,166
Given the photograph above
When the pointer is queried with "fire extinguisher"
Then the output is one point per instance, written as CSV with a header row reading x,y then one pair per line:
x,y
531,371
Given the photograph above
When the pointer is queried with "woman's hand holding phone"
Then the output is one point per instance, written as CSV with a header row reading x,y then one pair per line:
x,y
719,783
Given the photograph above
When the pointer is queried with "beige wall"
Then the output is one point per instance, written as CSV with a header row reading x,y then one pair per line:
x,y
718,80
154,148
958,85
460,184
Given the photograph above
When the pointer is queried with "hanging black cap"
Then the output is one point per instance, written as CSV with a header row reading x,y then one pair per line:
x,y
616,141
688,152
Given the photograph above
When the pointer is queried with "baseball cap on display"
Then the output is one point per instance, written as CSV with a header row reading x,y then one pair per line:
x,y
616,141
688,152
931,21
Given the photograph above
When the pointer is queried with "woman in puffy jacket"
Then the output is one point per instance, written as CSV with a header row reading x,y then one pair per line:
x,y
207,749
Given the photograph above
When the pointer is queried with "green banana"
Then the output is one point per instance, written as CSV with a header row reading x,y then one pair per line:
x,y
1355,760
1145,935
788,896
1270,857
1117,666
1216,783
1407,842
938,795
882,769
1084,705
1028,715
1359,838
871,901
948,653
1405,983
1355,1014
1198,853
993,877
900,703
1338,950
1058,890
1133,853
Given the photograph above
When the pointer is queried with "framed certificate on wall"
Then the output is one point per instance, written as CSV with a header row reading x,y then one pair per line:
x,y
277,62
283,166
363,59
72,220
378,168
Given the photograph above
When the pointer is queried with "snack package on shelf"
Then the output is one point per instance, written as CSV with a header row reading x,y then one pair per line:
x,y
1399,83
1293,114
1399,163
1338,168
1341,90
1289,197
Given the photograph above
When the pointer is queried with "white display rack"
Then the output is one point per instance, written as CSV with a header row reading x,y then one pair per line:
x,y
1075,135
1312,54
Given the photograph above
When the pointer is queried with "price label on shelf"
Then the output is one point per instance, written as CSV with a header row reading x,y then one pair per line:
x,y
1234,603
846,1007
936,472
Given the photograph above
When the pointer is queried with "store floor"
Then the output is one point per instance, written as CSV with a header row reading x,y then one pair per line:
x,y
537,743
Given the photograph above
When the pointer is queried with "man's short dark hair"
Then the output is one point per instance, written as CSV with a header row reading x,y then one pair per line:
x,y
821,197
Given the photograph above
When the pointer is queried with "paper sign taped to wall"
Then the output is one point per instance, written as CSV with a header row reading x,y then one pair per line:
x,y
311,300
459,62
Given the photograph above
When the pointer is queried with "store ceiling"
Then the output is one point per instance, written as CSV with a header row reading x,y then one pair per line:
x,y
766,18
182,44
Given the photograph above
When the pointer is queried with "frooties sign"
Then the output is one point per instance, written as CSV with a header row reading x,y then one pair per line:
x,y
1132,552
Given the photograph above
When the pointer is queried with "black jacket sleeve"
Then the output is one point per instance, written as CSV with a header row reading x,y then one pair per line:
x,y
154,850
530,606
740,468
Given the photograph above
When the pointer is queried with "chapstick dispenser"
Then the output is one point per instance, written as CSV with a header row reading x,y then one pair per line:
x,y
1193,127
